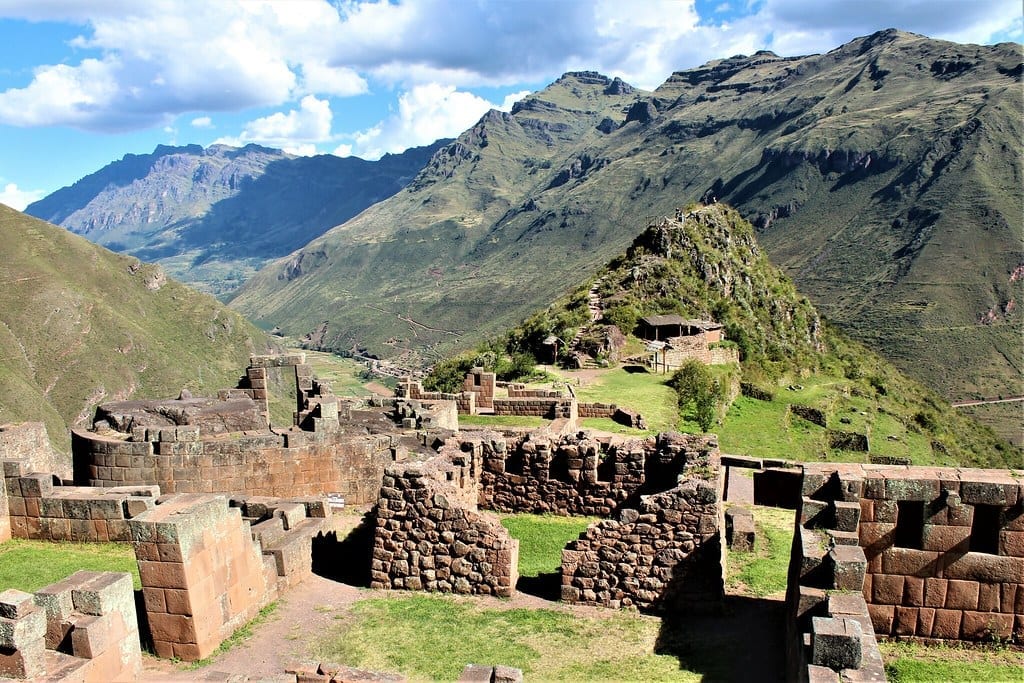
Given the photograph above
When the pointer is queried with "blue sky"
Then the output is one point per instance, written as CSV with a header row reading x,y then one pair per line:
x,y
84,82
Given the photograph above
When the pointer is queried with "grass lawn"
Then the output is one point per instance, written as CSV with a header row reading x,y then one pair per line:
x,y
403,632
909,662
762,572
642,391
502,420
542,538
341,373
31,565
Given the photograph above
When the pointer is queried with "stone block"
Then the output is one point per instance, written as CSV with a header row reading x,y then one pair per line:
x,y
476,673
1011,543
821,674
962,595
935,592
848,567
36,485
15,604
1002,492
911,489
836,643
925,621
913,591
27,632
983,567
507,674
886,589
944,538
846,515
986,626
910,562
905,621
882,617
99,593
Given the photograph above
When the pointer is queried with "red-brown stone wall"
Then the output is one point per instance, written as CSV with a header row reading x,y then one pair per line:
x,y
295,463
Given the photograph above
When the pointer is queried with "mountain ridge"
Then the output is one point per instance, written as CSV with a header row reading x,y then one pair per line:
x,y
213,215
869,172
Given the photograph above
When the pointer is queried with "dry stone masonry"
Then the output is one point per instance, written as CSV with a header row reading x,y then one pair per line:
x,y
431,536
81,629
660,551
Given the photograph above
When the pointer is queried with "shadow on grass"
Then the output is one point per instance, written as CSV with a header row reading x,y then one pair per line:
x,y
346,560
635,369
745,642
547,586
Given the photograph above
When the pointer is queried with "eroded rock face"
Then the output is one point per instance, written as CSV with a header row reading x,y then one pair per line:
x,y
211,415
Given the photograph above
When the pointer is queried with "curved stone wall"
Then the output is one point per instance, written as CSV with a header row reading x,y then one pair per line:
x,y
178,460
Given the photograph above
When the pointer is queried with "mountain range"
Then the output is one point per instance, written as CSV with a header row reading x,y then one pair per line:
x,y
883,177
212,217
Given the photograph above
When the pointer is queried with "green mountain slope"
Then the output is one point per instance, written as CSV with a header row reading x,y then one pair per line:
x,y
883,177
80,325
707,264
211,217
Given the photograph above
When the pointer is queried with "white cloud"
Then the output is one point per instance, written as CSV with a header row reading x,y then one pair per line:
x,y
202,122
295,131
425,113
512,98
17,198
319,78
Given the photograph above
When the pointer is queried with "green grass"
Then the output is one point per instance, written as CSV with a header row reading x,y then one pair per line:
x,y
763,571
31,565
542,538
642,391
907,662
429,637
502,420
343,374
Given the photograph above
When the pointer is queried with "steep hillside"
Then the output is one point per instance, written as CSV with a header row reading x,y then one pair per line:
x,y
705,263
211,217
883,177
80,325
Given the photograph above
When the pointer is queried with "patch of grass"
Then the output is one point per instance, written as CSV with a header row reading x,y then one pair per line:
x,y
606,424
31,565
343,374
542,538
640,390
906,662
413,634
763,571
502,420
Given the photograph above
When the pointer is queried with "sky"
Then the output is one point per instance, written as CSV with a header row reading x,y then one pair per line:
x,y
84,82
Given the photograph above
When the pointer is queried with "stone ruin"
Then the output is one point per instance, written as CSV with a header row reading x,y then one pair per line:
x,y
83,628
879,550
661,546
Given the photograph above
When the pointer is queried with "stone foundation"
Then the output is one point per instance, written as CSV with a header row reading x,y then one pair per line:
x,y
29,443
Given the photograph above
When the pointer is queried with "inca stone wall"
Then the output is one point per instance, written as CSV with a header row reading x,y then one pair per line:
x,y
568,475
41,509
268,464
430,535
662,550
81,629
945,546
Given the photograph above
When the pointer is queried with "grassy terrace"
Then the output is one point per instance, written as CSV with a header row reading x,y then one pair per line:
x,y
31,565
